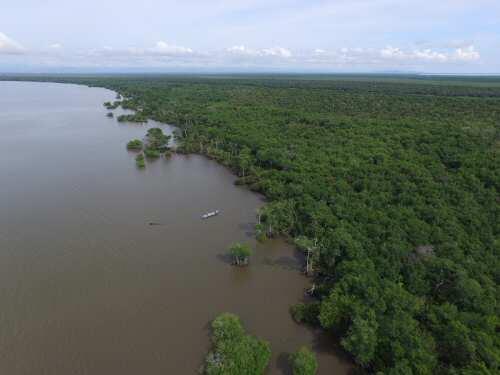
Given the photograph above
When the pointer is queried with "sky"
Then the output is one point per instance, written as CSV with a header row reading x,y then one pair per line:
x,y
420,36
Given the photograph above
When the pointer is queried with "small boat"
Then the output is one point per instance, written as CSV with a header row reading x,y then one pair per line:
x,y
210,214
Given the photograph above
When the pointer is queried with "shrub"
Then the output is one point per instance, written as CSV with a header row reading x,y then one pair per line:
x,y
234,351
135,144
139,161
304,362
151,152
240,253
306,312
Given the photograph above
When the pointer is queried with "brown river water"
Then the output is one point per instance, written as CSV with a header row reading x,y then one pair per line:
x,y
88,287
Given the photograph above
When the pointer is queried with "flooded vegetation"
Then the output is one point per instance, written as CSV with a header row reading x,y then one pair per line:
x,y
108,269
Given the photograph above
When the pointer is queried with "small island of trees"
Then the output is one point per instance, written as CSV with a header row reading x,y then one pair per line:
x,y
139,161
110,105
156,145
234,351
135,144
157,140
304,362
240,254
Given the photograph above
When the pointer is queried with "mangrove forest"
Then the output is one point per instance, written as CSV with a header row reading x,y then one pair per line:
x,y
389,185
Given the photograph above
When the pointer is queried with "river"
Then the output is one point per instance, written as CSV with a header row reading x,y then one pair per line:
x,y
88,287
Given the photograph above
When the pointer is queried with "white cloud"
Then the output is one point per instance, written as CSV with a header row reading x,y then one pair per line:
x,y
464,54
390,52
468,53
165,55
277,51
164,48
9,46
242,50
160,50
430,55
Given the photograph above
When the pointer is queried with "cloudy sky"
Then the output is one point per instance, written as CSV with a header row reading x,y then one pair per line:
x,y
435,36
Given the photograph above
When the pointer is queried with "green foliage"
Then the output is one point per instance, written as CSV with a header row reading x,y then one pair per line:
x,y
306,312
279,217
135,144
234,351
361,339
398,180
136,117
157,143
157,140
304,244
113,105
151,152
240,253
311,250
139,161
304,362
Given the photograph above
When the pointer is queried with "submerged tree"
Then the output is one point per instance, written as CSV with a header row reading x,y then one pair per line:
x,y
157,140
139,161
113,105
304,362
234,351
240,253
135,144
311,249
278,218
151,152
245,160
156,145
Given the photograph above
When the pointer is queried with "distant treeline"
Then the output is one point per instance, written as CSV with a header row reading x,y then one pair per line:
x,y
394,180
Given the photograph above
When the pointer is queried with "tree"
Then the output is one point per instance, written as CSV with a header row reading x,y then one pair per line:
x,y
362,339
310,247
279,217
151,152
245,160
135,144
235,352
157,140
304,362
240,253
139,161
